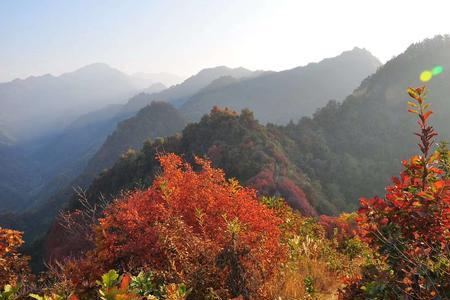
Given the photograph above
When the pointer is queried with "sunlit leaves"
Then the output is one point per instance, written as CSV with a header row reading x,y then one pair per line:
x,y
13,266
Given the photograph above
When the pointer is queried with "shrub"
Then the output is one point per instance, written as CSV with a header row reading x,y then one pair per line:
x,y
409,228
190,226
13,266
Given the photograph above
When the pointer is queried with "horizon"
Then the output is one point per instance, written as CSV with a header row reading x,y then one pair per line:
x,y
184,76
171,37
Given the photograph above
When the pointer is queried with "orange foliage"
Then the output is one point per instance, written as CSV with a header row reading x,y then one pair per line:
x,y
182,224
13,266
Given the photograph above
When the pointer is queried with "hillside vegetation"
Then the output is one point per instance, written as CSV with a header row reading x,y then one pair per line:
x,y
194,234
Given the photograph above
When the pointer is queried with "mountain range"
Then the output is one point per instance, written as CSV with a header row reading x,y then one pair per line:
x,y
279,97
320,164
56,156
39,106
321,155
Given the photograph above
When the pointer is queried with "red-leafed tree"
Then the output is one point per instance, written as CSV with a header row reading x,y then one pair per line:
x,y
409,228
194,227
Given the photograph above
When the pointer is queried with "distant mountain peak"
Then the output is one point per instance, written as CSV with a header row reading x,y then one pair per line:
x,y
96,65
358,52
219,83
222,69
95,69
179,93
155,88
207,75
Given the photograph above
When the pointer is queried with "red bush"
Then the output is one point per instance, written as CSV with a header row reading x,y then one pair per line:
x,y
410,227
189,214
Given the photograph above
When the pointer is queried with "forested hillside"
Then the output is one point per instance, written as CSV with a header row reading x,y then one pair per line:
x,y
354,147
237,143
157,120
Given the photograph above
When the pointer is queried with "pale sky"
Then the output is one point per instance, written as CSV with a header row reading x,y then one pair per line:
x,y
184,36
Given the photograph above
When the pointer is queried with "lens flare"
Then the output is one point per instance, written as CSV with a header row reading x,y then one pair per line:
x,y
437,70
426,76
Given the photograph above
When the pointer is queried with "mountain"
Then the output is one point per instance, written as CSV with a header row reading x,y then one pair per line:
x,y
321,164
353,148
94,143
39,106
159,119
166,79
35,118
154,88
278,97
64,156
239,144
179,93
59,158
57,124
41,167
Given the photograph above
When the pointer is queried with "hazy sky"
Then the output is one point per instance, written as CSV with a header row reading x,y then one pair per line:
x,y
184,36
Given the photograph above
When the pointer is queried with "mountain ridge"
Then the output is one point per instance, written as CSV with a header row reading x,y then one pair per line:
x,y
298,91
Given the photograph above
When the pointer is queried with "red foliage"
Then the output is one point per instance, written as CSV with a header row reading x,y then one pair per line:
x,y
188,208
295,196
264,181
410,227
267,182
341,226
418,201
